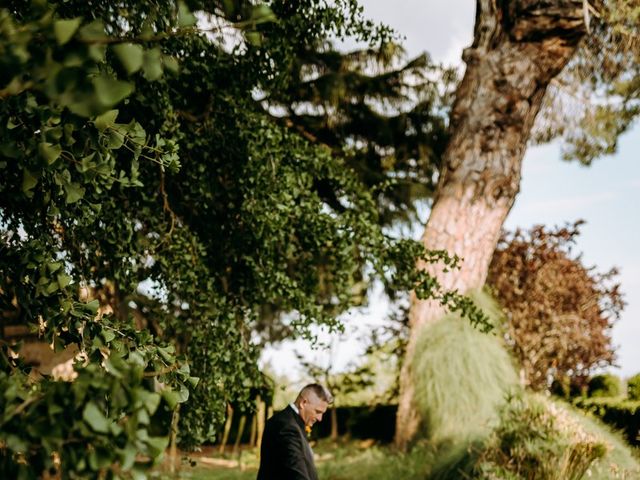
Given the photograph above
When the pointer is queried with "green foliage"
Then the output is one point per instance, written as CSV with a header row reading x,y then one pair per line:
x,y
633,387
534,439
461,376
566,389
605,385
133,154
390,116
621,460
623,415
597,97
113,413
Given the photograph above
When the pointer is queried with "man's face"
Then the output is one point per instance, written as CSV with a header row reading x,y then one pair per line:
x,y
312,409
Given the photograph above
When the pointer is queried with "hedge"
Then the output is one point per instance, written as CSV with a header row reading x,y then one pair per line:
x,y
623,415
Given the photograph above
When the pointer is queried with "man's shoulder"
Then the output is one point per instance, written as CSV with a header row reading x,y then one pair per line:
x,y
285,419
284,415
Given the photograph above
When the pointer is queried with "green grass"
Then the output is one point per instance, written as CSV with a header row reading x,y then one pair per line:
x,y
342,461
359,461
621,461
462,379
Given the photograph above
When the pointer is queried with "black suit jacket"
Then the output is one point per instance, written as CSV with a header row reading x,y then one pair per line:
x,y
285,453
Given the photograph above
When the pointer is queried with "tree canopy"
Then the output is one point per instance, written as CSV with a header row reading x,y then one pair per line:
x,y
156,218
559,311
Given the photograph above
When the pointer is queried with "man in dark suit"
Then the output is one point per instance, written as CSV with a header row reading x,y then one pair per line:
x,y
285,453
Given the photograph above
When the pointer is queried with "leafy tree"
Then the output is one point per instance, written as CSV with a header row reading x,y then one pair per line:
x,y
388,116
633,387
133,153
604,385
339,384
559,312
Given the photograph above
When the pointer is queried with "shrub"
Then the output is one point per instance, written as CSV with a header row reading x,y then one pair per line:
x,y
623,415
567,389
633,387
605,385
535,439
560,310
461,376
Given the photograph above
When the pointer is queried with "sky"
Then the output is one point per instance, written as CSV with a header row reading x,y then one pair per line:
x,y
552,192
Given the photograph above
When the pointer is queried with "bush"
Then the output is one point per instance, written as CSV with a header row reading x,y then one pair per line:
x,y
633,387
535,439
605,385
623,415
567,389
461,376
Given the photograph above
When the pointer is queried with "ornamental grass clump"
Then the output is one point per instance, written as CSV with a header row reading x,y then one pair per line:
x,y
535,440
462,376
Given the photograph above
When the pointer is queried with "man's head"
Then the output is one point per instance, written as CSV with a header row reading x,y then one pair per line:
x,y
312,402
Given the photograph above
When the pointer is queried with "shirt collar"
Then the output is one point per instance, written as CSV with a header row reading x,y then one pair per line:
x,y
294,408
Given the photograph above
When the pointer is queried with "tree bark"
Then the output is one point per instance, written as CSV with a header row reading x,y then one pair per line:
x,y
260,415
334,424
519,47
236,444
227,429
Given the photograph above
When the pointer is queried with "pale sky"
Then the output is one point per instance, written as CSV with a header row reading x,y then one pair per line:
x,y
552,191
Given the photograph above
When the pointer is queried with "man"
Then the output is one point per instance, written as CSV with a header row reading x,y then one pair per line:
x,y
285,453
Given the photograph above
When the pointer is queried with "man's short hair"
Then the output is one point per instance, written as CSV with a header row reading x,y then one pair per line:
x,y
319,391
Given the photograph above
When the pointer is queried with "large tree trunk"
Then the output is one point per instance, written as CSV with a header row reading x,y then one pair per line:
x,y
519,47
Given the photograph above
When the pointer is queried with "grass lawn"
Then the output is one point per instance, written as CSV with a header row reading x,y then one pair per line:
x,y
364,460
357,460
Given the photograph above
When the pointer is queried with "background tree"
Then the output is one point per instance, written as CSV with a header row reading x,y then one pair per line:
x,y
386,114
519,47
354,379
559,312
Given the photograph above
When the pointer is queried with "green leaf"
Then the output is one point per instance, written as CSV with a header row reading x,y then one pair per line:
x,y
29,181
170,63
193,381
54,266
63,280
95,418
115,139
106,120
152,402
254,38
49,152
183,394
128,456
93,31
74,192
137,474
110,91
108,364
172,398
130,56
152,65
185,17
262,13
157,445
92,306
10,150
64,29
108,335
16,444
